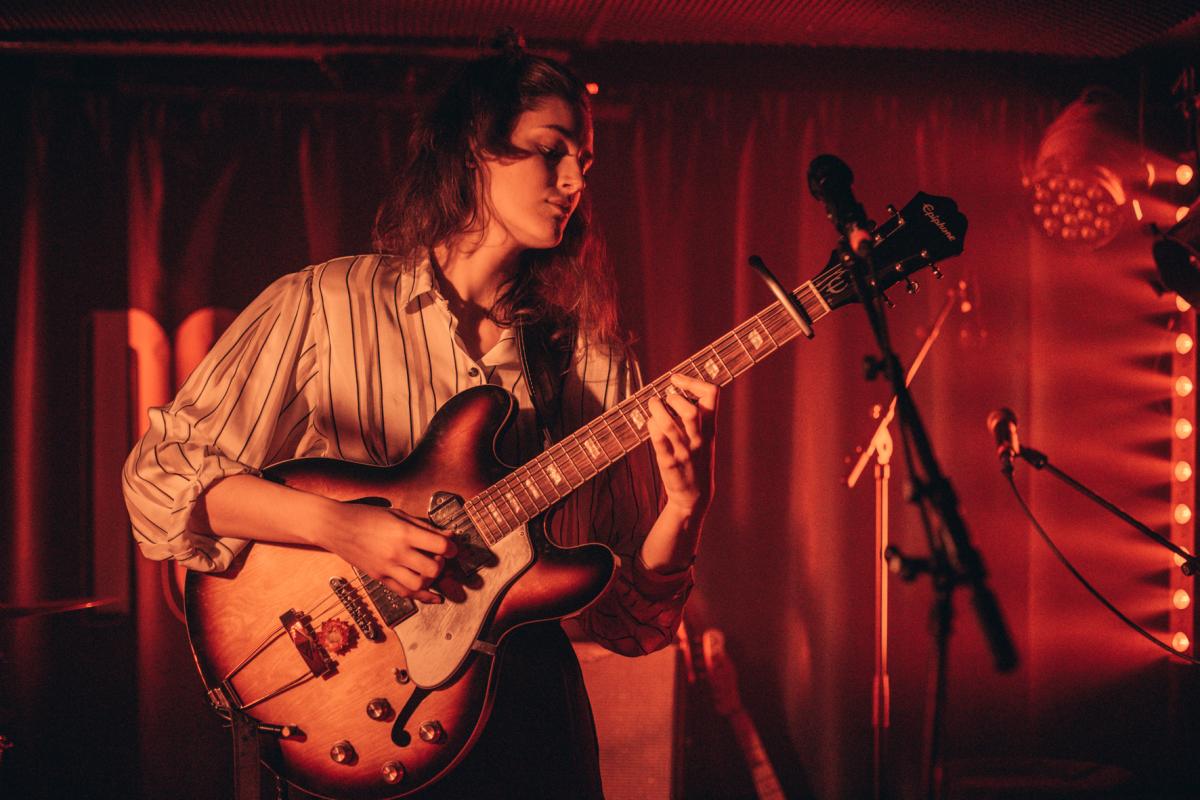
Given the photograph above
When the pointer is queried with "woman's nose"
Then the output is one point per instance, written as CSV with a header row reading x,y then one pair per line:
x,y
570,177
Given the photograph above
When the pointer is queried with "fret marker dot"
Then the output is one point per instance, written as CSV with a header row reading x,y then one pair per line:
x,y
592,448
711,368
532,487
554,474
755,339
638,419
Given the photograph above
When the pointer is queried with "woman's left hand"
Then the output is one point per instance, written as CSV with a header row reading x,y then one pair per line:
x,y
683,439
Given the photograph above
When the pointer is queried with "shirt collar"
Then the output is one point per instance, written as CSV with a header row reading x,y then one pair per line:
x,y
423,282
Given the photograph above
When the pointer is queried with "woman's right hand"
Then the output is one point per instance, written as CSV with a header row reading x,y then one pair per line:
x,y
405,553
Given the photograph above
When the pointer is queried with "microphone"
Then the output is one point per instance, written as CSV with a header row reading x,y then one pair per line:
x,y
829,180
1002,422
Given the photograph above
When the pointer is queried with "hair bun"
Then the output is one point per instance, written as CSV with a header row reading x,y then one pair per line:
x,y
509,43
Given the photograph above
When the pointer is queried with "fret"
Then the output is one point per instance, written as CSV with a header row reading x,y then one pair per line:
x,y
592,448
782,323
619,446
570,445
734,356
756,335
481,520
521,483
628,426
495,510
558,481
567,465
637,417
541,481
820,299
745,349
509,495
713,367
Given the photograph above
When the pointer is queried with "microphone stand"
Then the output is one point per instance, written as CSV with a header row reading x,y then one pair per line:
x,y
880,447
952,560
1040,461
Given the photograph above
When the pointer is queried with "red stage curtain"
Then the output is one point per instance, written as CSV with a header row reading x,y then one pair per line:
x,y
175,202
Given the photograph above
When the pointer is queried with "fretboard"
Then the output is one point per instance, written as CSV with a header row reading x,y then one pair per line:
x,y
565,466
766,784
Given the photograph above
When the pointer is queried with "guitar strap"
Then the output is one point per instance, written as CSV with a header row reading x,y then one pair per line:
x,y
545,360
250,780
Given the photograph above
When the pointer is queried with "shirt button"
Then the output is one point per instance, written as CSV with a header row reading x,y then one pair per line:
x,y
473,372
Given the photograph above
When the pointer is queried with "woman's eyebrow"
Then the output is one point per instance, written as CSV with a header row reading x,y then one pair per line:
x,y
568,134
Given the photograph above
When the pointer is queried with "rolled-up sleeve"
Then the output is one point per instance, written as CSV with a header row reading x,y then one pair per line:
x,y
249,400
641,610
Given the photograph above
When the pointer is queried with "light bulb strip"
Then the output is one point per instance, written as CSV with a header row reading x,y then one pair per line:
x,y
1181,608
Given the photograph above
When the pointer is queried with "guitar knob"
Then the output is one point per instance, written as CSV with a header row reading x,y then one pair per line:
x,y
379,709
343,753
392,771
432,732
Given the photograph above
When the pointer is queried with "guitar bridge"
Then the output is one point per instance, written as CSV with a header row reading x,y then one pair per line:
x,y
300,631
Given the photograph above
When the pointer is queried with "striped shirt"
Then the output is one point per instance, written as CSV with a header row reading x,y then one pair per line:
x,y
350,359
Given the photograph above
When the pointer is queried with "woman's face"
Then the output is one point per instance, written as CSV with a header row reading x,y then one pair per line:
x,y
531,197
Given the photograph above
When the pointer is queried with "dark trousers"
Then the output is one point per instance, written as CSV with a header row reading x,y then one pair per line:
x,y
540,740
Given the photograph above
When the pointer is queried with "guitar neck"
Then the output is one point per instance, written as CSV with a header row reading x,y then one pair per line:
x,y
562,468
766,785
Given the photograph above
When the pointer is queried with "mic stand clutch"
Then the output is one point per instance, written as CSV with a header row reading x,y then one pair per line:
x,y
953,560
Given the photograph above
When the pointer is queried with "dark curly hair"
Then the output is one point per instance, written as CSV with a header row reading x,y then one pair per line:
x,y
435,198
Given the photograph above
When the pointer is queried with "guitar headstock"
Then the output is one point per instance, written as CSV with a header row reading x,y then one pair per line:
x,y
721,676
927,230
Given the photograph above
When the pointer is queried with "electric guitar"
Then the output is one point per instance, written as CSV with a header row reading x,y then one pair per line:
x,y
372,695
722,679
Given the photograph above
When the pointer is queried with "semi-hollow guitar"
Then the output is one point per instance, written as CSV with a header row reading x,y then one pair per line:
x,y
375,696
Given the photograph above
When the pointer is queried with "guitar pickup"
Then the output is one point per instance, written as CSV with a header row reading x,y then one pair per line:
x,y
300,631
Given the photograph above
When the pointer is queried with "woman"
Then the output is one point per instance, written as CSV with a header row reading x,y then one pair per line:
x,y
483,238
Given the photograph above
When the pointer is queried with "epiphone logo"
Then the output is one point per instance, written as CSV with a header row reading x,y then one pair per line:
x,y
936,220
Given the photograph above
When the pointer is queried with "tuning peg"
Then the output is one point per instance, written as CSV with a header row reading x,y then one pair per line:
x,y
911,286
887,300
937,273
891,210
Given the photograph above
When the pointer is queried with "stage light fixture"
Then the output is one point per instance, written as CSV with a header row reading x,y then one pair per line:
x,y
1075,185
1092,171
